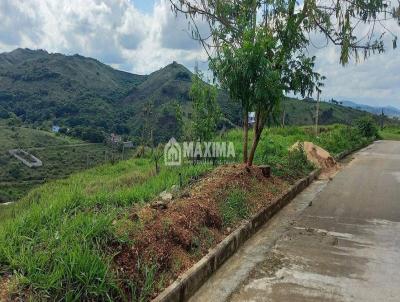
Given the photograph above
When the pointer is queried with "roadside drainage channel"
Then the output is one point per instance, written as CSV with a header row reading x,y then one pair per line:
x,y
190,281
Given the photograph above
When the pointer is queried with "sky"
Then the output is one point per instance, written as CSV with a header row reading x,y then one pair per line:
x,y
142,36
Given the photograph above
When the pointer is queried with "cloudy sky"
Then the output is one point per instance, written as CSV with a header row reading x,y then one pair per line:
x,y
142,36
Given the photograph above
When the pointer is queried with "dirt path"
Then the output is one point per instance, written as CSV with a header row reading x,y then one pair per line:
x,y
345,247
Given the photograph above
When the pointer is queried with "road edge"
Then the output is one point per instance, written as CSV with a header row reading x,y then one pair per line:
x,y
190,281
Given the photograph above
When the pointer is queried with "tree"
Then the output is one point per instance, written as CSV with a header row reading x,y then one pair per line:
x,y
169,122
258,48
206,111
156,155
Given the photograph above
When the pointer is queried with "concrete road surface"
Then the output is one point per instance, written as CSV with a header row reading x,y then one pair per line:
x,y
337,241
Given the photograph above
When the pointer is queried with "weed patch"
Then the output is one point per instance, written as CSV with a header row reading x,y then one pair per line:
x,y
234,207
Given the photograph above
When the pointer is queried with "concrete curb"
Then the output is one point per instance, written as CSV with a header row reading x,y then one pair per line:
x,y
343,154
190,281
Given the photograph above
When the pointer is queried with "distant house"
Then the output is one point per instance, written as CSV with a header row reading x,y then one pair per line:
x,y
128,145
252,118
55,128
115,139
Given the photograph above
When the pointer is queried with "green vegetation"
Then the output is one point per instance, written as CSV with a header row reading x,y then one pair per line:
x,y
92,99
57,241
234,207
69,224
206,111
276,142
302,112
367,127
390,133
60,155
260,48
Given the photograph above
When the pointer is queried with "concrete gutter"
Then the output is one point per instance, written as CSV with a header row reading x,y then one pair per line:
x,y
190,281
34,163
345,153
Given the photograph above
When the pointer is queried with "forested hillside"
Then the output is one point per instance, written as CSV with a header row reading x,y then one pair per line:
x,y
89,99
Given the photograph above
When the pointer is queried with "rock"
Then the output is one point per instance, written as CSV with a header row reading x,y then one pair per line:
x,y
159,204
310,204
174,189
166,196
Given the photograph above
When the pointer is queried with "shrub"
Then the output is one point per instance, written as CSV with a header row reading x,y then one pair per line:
x,y
367,127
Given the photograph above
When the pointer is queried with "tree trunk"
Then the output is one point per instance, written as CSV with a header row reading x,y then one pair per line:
x,y
245,134
256,140
258,128
317,115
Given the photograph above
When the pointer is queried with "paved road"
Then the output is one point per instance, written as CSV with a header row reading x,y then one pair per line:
x,y
337,241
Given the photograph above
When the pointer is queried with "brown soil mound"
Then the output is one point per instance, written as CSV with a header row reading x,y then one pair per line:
x,y
319,157
315,154
174,238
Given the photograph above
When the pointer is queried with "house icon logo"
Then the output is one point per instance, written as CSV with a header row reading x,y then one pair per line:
x,y
172,153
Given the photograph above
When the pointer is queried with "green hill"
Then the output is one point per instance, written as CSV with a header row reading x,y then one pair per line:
x,y
302,112
60,155
89,99
81,93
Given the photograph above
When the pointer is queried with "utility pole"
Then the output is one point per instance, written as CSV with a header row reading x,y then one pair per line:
x,y
317,114
382,119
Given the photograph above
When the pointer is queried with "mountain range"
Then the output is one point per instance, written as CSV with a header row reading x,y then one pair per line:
x,y
90,99
85,95
387,110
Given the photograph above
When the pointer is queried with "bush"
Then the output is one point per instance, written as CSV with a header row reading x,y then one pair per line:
x,y
294,165
367,127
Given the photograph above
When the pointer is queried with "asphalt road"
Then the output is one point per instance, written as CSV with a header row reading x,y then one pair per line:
x,y
339,240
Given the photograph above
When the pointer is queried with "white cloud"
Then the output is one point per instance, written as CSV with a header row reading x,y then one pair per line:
x,y
117,33
113,31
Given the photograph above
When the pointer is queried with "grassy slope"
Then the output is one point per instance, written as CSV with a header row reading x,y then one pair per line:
x,y
390,133
299,112
57,244
60,155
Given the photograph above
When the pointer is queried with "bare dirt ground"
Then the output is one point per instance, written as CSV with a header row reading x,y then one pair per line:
x,y
173,236
4,282
320,158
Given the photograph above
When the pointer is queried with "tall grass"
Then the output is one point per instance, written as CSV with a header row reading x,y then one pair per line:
x,y
234,207
390,133
55,245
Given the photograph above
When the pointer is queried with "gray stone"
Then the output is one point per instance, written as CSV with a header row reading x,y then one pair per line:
x,y
166,196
